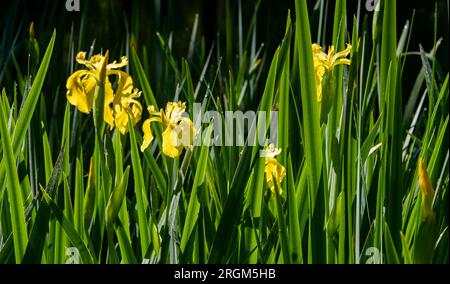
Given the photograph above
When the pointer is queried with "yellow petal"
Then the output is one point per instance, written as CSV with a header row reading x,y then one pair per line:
x,y
319,73
148,134
174,111
108,108
121,119
94,63
320,66
339,58
81,57
80,90
330,52
151,109
342,61
121,113
171,145
124,83
316,48
121,102
427,190
115,65
318,54
273,169
169,108
135,111
343,53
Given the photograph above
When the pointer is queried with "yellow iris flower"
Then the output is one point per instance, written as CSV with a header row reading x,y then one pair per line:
x,y
118,103
427,191
272,168
178,130
324,64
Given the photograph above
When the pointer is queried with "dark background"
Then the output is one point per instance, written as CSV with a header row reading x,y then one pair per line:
x,y
106,17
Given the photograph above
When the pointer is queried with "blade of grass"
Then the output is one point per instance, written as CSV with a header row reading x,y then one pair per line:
x,y
199,178
392,99
69,229
79,196
148,96
29,106
40,227
312,135
116,199
139,185
295,236
19,228
282,231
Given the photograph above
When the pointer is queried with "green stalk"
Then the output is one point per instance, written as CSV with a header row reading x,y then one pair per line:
x,y
312,135
282,226
19,228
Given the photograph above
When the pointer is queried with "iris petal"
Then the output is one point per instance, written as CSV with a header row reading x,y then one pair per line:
x,y
116,65
148,134
80,90
109,97
274,170
171,146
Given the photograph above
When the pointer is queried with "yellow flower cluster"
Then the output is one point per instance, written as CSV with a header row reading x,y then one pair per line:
x,y
274,170
119,102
